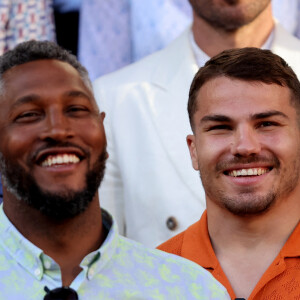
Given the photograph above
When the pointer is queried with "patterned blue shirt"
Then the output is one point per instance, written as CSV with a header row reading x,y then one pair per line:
x,y
119,269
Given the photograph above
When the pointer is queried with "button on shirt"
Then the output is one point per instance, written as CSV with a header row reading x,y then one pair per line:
x,y
119,269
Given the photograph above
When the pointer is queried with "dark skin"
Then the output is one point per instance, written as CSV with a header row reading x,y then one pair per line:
x,y
47,100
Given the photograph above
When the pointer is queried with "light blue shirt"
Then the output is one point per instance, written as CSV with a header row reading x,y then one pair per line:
x,y
119,269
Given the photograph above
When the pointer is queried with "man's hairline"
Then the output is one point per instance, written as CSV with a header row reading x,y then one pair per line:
x,y
84,77
292,99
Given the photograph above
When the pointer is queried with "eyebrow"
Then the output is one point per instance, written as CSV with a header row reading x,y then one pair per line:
x,y
77,94
32,98
215,118
26,99
258,116
268,114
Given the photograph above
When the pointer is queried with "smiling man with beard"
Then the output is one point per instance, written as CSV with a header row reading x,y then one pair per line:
x,y
61,205
55,241
244,108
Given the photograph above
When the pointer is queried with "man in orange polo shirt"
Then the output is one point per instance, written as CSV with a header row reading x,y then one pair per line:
x,y
244,109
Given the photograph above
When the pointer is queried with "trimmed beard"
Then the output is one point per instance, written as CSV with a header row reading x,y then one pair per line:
x,y
57,206
225,18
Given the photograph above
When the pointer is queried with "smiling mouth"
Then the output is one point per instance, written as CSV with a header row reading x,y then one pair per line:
x,y
59,160
247,172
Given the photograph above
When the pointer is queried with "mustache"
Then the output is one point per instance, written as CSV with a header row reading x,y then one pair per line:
x,y
231,163
57,144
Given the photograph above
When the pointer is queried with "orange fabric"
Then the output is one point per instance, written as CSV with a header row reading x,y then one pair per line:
x,y
281,281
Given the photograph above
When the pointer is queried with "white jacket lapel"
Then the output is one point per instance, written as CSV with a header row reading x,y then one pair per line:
x,y
169,109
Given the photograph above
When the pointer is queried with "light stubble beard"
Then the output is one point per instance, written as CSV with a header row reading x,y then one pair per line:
x,y
247,202
228,18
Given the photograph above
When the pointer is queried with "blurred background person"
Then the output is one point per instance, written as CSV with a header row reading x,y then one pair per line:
x,y
115,33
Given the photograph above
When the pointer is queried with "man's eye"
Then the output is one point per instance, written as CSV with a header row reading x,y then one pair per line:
x,y
267,124
28,116
219,127
77,109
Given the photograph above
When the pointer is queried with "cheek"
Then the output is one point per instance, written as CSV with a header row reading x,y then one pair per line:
x,y
211,148
94,136
15,145
283,146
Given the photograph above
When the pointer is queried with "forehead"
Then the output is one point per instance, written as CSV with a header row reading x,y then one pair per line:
x,y
41,77
227,96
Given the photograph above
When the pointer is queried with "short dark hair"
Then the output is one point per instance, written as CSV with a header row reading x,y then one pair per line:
x,y
35,50
248,64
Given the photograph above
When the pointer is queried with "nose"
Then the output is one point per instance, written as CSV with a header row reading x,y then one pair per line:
x,y
245,142
56,126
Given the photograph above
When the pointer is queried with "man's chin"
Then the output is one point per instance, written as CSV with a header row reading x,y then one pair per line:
x,y
249,205
61,192
61,205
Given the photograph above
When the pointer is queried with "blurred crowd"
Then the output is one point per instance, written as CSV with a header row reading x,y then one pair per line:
x,y
107,35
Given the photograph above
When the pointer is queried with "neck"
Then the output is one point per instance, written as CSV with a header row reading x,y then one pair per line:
x,y
246,246
67,242
254,34
230,231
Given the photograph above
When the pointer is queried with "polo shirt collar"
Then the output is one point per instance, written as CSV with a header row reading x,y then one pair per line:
x,y
291,247
195,238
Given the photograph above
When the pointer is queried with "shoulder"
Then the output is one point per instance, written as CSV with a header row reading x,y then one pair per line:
x,y
172,270
287,46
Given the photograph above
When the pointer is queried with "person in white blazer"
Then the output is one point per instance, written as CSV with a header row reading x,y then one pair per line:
x,y
149,185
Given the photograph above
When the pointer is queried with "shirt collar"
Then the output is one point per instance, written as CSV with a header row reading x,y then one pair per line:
x,y
97,260
197,237
36,262
197,245
291,247
202,58
22,250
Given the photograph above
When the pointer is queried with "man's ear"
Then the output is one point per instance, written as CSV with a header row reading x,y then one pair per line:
x,y
102,115
190,139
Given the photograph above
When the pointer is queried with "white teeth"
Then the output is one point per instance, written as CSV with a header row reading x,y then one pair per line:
x,y
248,172
60,159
